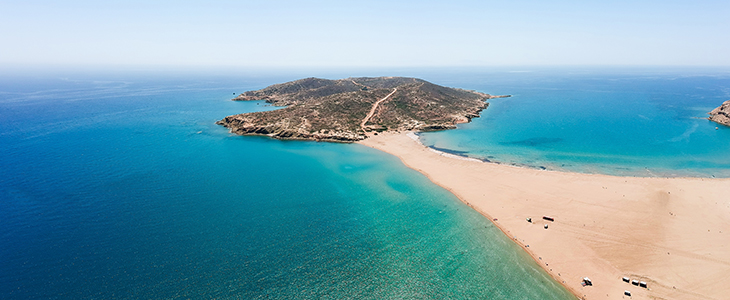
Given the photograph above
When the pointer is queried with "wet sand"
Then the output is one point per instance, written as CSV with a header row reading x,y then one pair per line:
x,y
672,233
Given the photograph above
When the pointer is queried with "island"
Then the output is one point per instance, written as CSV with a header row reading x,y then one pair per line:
x,y
351,109
721,114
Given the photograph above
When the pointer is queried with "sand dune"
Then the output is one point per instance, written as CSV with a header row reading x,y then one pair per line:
x,y
672,233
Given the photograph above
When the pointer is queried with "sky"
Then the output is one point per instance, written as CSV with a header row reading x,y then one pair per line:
x,y
278,33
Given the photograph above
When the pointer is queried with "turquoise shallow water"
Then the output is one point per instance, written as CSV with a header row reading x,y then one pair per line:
x,y
119,185
648,122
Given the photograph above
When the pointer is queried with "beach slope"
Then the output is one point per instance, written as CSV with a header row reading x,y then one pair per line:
x,y
672,233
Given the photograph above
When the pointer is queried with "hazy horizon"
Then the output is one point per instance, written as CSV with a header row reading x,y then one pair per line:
x,y
330,34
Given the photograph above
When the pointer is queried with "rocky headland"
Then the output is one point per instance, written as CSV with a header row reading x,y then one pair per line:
x,y
721,114
348,110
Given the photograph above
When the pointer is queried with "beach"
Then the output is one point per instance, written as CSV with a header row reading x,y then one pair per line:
x,y
671,233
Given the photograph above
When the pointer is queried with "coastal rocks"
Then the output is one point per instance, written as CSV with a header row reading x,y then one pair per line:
x,y
437,127
241,125
721,114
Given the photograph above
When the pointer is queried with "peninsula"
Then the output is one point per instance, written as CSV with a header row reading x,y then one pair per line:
x,y
652,238
351,109
721,114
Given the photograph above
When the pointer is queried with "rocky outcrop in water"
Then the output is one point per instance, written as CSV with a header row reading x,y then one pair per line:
x,y
347,110
721,114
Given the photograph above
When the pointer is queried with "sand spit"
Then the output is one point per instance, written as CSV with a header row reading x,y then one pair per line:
x,y
671,233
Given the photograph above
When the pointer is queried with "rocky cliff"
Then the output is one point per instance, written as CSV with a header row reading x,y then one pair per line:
x,y
721,114
347,110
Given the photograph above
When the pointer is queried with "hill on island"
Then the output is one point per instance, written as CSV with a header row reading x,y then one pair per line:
x,y
348,110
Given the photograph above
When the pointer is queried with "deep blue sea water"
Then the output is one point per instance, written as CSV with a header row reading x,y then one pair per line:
x,y
619,121
119,185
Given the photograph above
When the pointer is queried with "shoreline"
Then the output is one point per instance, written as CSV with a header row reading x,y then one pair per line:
x,y
669,232
416,136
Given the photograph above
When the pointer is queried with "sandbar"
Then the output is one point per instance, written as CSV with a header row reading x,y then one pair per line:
x,y
672,233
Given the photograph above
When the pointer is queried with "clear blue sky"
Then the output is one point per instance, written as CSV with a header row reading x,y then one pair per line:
x,y
365,33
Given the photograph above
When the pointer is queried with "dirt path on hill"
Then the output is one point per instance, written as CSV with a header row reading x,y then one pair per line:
x,y
372,110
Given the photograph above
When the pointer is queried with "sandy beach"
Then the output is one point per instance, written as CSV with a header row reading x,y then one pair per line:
x,y
672,233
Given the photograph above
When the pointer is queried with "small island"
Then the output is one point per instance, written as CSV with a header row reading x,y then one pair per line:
x,y
721,114
351,109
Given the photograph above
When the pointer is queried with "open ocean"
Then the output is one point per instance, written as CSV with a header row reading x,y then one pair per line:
x,y
120,185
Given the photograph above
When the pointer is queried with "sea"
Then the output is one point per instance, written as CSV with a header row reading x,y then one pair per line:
x,y
118,184
645,122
